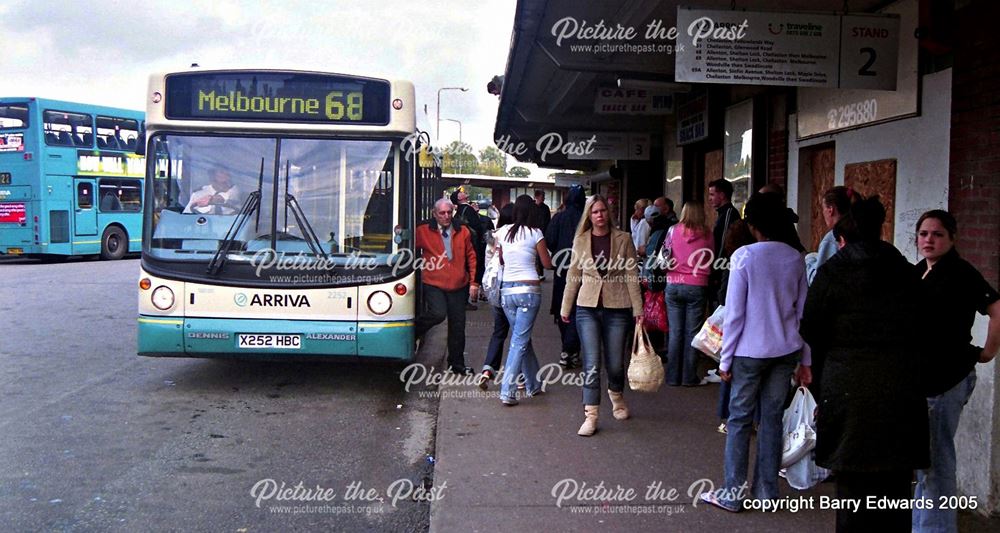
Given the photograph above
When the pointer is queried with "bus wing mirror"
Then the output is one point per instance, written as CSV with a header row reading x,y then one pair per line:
x,y
140,144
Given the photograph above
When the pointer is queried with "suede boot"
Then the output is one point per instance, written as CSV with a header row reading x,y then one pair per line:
x,y
618,408
589,426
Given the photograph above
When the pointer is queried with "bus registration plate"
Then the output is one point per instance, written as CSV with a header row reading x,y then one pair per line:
x,y
269,340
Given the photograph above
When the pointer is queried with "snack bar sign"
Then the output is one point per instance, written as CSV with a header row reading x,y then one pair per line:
x,y
618,101
789,49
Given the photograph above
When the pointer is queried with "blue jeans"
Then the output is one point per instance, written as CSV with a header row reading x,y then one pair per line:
x,y
939,480
600,327
725,391
521,310
501,327
685,313
766,381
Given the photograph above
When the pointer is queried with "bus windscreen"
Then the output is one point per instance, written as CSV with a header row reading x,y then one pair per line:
x,y
277,97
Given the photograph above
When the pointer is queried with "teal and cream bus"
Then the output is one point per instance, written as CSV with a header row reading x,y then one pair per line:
x,y
70,181
279,216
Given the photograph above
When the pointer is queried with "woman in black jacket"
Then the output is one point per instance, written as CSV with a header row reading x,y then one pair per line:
x,y
871,417
559,238
954,291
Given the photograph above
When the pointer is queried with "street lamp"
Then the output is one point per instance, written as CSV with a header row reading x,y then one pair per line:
x,y
438,128
459,122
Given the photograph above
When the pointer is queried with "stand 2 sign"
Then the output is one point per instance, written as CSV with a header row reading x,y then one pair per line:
x,y
789,49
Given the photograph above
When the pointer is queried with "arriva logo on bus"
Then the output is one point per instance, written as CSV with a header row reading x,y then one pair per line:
x,y
272,300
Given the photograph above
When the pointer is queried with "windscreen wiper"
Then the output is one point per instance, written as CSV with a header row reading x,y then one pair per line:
x,y
300,218
250,205
307,230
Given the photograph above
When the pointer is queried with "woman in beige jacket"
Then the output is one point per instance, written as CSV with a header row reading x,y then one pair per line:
x,y
603,284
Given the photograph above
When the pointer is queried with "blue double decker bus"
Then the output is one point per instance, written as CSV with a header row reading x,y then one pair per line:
x,y
70,181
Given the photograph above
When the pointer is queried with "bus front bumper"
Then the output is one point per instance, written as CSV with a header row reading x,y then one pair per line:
x,y
207,337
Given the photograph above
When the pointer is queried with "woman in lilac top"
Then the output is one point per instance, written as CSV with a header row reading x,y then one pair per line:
x,y
687,287
761,347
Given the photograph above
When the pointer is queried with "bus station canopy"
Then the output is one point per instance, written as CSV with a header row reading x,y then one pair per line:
x,y
551,87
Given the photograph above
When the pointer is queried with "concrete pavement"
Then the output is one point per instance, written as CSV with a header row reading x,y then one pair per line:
x,y
524,467
507,466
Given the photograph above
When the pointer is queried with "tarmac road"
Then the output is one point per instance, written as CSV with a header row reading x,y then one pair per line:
x,y
93,437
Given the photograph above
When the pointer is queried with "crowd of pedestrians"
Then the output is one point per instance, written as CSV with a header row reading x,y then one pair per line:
x,y
840,321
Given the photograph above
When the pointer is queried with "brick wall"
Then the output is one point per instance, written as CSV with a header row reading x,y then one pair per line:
x,y
974,177
777,158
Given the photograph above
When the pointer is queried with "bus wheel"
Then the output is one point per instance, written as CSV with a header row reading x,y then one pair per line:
x,y
114,244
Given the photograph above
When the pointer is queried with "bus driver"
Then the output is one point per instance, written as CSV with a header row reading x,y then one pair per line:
x,y
220,197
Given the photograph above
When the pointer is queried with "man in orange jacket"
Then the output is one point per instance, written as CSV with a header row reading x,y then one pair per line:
x,y
449,273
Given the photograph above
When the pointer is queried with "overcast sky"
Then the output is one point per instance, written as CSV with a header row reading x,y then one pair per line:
x,y
102,52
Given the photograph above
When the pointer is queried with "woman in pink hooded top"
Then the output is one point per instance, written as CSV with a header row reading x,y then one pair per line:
x,y
690,242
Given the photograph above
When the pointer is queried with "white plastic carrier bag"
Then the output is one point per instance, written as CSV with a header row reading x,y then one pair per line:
x,y
799,435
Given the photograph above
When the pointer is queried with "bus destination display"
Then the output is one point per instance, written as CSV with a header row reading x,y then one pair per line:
x,y
277,97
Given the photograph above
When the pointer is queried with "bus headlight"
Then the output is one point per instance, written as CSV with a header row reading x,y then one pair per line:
x,y
163,298
379,302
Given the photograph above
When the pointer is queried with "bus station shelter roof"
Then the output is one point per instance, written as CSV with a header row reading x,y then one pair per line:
x,y
549,87
482,180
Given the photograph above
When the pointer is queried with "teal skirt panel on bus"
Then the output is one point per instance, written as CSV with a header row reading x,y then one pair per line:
x,y
205,337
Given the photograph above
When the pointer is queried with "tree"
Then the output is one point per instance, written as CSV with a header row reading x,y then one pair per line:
x,y
492,162
459,159
518,172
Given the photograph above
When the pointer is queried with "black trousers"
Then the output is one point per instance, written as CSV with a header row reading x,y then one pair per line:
x,y
480,261
567,332
438,305
893,485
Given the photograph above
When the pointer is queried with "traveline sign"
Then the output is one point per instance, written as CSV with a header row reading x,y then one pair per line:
x,y
792,49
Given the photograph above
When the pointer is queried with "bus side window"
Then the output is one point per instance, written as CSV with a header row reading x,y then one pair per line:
x,y
84,195
110,202
66,128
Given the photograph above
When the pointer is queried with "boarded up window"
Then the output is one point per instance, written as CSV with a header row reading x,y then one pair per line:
x,y
821,165
876,177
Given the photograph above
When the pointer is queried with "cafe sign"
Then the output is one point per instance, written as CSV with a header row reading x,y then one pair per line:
x,y
619,101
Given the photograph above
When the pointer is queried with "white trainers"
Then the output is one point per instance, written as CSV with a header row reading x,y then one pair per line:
x,y
712,377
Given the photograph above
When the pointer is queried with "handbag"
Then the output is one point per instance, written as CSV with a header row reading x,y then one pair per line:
x,y
708,340
645,369
799,435
667,250
654,311
493,277
655,271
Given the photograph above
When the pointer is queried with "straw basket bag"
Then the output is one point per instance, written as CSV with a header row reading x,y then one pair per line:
x,y
645,370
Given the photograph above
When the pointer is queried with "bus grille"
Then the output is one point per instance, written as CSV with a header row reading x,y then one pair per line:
x,y
59,226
